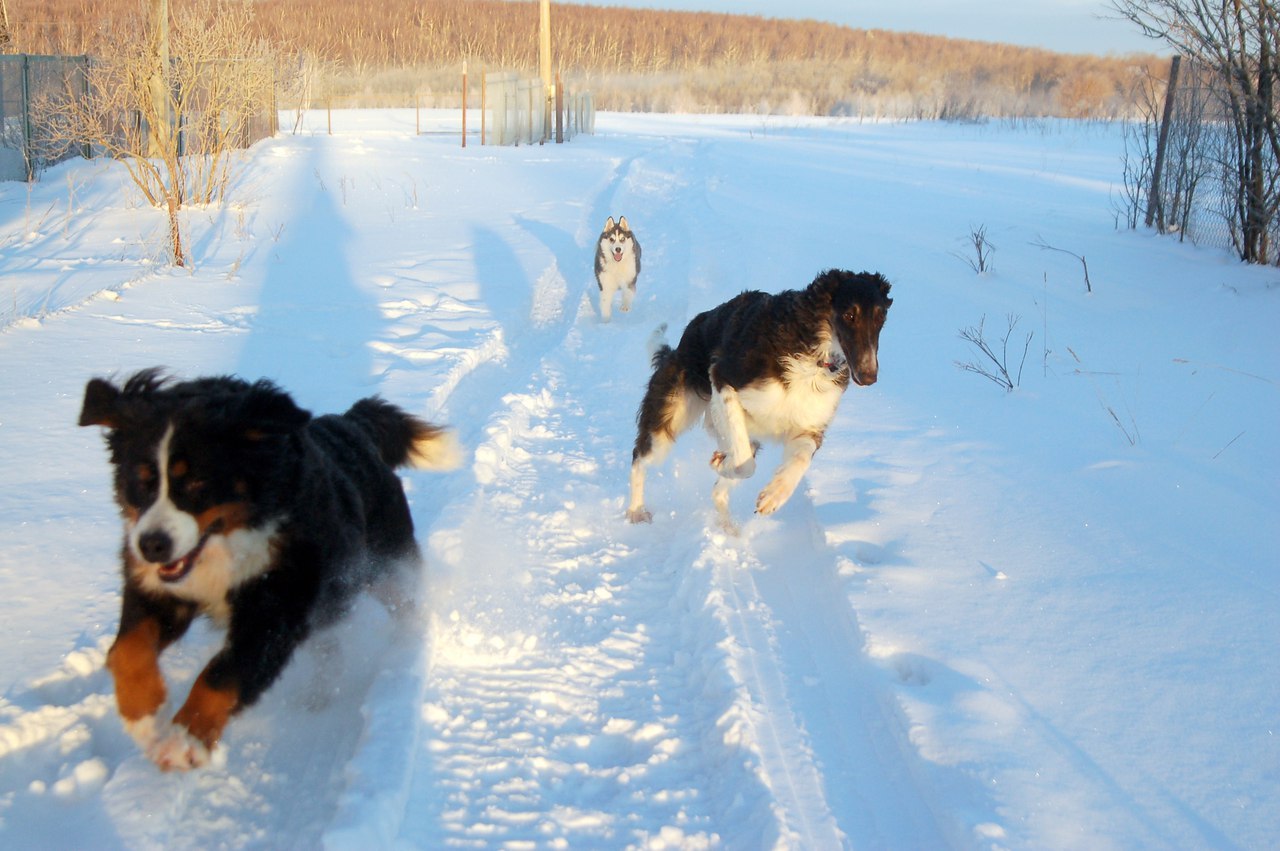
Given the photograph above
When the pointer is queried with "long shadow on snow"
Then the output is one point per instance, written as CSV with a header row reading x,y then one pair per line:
x,y
314,324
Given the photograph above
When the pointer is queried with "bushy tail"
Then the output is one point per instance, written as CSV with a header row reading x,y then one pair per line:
x,y
662,410
403,439
658,343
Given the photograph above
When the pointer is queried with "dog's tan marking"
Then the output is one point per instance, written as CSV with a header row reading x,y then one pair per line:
x,y
134,662
207,710
231,515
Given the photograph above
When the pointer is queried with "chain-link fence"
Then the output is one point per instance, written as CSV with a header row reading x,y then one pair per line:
x,y
25,80
1187,170
26,146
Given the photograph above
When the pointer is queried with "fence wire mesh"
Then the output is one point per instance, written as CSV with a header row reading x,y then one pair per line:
x,y
26,147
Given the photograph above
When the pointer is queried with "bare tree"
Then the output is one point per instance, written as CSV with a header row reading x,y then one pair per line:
x,y
1238,41
5,35
177,147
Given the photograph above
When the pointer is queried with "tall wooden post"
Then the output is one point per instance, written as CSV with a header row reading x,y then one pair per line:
x,y
1154,202
559,109
158,125
544,63
464,103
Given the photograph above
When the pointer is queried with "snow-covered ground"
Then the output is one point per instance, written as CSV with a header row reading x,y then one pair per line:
x,y
1038,619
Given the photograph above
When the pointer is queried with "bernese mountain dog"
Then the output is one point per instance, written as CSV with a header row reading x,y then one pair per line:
x,y
240,506
761,367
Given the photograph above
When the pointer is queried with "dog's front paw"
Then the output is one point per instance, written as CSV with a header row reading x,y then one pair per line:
x,y
144,731
639,515
178,750
774,495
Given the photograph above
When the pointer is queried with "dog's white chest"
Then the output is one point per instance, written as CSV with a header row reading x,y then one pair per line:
x,y
227,562
806,403
617,273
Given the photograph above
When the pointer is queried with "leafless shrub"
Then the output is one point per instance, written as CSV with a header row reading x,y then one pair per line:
x,y
980,262
993,366
178,148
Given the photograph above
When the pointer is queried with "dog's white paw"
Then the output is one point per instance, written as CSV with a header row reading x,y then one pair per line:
x,y
144,731
639,515
774,495
178,750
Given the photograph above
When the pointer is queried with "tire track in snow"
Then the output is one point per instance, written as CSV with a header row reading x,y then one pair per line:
x,y
577,689
833,746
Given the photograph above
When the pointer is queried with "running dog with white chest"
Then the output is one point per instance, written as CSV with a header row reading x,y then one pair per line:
x,y
240,506
617,265
762,367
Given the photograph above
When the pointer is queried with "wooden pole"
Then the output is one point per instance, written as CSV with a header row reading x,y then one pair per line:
x,y
484,97
559,109
158,126
544,64
464,103
1154,202
544,43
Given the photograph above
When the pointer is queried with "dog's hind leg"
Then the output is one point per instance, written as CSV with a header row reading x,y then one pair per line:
x,y
730,423
667,411
796,455
636,512
720,499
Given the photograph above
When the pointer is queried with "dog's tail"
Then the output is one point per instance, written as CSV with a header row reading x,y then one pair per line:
x,y
657,344
403,439
660,414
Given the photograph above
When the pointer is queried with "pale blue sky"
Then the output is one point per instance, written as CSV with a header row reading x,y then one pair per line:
x,y
1070,26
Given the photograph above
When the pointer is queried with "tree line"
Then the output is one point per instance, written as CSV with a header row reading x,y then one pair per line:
x,y
635,59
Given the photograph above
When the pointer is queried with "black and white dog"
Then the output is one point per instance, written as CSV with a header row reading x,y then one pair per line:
x,y
762,367
617,265
240,506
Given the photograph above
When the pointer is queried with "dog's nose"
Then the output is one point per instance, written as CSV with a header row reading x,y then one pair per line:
x,y
156,547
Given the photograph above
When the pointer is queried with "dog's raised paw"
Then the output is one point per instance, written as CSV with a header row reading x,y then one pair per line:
x,y
774,496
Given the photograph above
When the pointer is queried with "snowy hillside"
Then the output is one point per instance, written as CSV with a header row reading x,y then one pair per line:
x,y
1027,620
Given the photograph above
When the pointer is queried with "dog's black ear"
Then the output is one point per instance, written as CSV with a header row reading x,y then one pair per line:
x,y
826,283
101,406
267,410
608,225
885,286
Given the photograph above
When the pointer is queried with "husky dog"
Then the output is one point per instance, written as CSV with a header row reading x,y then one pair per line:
x,y
617,265
762,367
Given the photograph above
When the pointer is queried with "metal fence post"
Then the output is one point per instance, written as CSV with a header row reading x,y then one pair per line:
x,y
28,155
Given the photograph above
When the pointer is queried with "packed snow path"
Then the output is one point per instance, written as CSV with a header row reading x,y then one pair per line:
x,y
949,637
